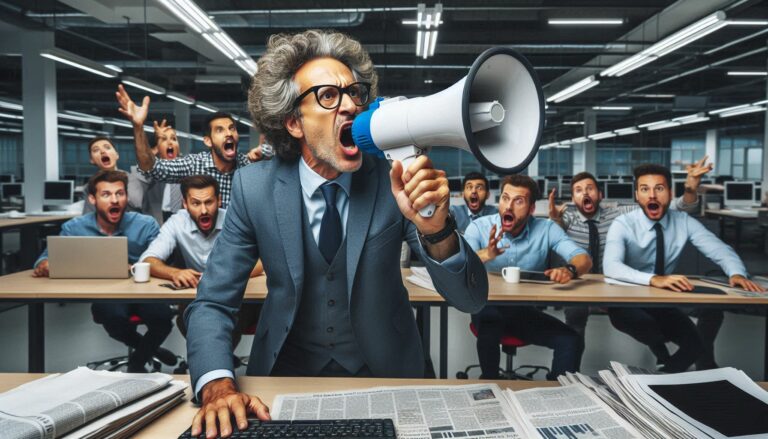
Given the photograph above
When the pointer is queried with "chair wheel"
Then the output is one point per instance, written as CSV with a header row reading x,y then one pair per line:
x,y
462,375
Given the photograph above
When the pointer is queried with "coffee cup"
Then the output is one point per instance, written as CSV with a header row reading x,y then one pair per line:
x,y
511,274
140,272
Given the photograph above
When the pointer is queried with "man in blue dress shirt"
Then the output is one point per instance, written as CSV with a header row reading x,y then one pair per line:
x,y
475,195
643,247
107,191
524,241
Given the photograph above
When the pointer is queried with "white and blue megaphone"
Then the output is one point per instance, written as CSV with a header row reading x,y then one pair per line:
x,y
496,112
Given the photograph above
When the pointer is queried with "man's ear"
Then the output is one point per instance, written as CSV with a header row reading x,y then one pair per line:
x,y
92,199
207,141
293,125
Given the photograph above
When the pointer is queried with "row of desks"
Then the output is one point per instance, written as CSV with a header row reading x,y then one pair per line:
x,y
591,290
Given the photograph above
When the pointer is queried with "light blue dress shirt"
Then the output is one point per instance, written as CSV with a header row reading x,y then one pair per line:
x,y
630,247
314,203
181,231
138,228
529,249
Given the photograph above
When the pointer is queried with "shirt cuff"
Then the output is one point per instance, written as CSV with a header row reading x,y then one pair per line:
x,y
210,376
453,263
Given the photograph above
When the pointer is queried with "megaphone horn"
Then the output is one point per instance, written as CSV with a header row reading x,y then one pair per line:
x,y
496,112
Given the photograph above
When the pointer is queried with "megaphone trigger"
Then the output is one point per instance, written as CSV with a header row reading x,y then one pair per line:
x,y
407,155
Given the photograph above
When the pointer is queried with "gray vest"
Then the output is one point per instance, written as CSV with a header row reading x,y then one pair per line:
x,y
322,330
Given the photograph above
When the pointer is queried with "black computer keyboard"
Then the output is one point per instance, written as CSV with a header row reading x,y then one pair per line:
x,y
339,428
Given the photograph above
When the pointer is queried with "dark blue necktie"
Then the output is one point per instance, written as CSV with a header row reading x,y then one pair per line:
x,y
330,227
659,266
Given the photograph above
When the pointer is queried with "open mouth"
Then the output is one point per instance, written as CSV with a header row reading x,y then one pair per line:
x,y
588,204
345,139
205,222
654,207
474,202
114,212
171,153
105,160
507,220
230,147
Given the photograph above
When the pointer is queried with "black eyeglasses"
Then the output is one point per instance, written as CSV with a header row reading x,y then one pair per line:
x,y
329,96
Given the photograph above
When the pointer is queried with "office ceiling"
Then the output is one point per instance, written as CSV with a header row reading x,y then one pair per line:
x,y
148,42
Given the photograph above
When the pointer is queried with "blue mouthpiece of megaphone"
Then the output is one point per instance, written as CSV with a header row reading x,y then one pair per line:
x,y
361,130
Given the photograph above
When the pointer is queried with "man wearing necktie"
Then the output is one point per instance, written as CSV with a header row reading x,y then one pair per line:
x,y
475,193
587,221
643,247
327,222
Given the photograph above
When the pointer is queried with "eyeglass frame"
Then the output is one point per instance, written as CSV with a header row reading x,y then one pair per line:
x,y
342,91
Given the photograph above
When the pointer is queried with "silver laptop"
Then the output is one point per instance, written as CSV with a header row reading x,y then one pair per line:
x,y
88,257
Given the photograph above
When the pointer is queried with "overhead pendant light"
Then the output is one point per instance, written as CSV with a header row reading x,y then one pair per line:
x,y
585,21
206,107
142,85
573,90
78,61
178,97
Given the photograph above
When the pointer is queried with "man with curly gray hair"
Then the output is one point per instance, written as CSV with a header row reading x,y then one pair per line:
x,y
327,222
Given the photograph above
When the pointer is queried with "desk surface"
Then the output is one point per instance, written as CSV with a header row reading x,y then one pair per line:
x,y
178,419
22,286
6,223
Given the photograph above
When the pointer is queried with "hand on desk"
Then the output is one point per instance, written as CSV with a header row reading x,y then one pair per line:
x,y
186,278
41,270
560,275
674,282
746,284
221,399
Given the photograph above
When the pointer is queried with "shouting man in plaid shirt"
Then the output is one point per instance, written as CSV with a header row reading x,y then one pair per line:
x,y
220,161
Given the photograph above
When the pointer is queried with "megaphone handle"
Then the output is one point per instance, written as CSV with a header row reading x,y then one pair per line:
x,y
406,155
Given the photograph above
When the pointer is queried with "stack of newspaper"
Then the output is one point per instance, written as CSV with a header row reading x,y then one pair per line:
x,y
720,403
85,403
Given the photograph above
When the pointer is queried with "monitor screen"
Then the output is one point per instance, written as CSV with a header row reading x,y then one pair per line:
x,y
619,191
601,187
57,192
552,177
11,190
494,184
454,185
6,178
678,175
603,177
628,178
542,186
736,191
758,194
679,188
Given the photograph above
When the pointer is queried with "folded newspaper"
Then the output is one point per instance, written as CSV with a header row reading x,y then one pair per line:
x,y
85,403
420,277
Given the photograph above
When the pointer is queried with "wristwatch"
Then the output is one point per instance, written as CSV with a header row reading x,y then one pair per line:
x,y
434,238
572,269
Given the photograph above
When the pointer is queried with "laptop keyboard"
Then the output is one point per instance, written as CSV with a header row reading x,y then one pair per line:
x,y
339,428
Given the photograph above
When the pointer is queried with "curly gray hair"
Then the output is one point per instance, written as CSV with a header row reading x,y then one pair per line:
x,y
273,90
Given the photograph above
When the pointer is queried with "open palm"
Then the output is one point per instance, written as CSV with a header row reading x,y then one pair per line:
x,y
136,114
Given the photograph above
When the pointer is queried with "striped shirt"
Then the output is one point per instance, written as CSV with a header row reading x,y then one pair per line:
x,y
173,170
577,228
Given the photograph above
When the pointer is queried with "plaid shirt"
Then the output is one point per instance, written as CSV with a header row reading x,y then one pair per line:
x,y
173,170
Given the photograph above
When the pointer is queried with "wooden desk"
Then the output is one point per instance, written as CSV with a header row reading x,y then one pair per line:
x,y
737,216
178,419
29,228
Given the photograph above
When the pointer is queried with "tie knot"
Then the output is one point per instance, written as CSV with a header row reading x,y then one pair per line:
x,y
329,193
657,227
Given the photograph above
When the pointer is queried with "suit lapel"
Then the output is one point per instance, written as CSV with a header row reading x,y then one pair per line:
x,y
361,201
287,204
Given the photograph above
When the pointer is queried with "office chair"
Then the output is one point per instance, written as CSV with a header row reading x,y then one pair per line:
x,y
509,345
116,363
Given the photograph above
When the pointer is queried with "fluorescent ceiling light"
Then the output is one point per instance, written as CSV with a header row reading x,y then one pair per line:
x,y
245,122
113,67
746,110
626,131
683,37
178,97
650,124
142,85
611,108
763,102
743,73
652,96
548,145
580,139
662,126
727,109
585,21
11,106
206,107
118,122
10,130
571,91
80,117
11,116
78,61
573,122
248,65
604,135
438,22
748,22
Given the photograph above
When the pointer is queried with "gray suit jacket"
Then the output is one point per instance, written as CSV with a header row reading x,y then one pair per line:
x,y
461,214
264,221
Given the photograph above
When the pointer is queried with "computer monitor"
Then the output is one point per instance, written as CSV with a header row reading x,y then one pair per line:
x,y
6,178
758,194
566,177
722,179
542,186
706,181
454,185
58,193
739,194
603,177
9,190
678,188
494,184
628,178
552,177
679,175
619,192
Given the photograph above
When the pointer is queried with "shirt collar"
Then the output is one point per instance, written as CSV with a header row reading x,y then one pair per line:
x,y
311,180
583,217
523,235
649,224
119,231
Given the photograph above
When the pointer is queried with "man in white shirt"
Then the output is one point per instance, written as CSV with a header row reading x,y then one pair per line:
x,y
193,231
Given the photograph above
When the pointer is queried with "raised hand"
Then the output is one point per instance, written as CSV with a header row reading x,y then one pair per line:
x,y
137,115
695,172
555,212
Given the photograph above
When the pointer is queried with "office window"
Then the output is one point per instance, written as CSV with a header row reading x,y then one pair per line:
x,y
740,156
685,151
622,161
556,161
11,154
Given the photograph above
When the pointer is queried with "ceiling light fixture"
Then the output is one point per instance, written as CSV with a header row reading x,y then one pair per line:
x,y
727,109
683,37
178,97
612,108
746,73
142,85
78,61
748,22
626,131
206,107
11,105
572,90
427,22
746,110
573,122
585,21
604,135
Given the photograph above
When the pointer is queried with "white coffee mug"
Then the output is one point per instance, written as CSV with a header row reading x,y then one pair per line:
x,y
140,272
511,274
